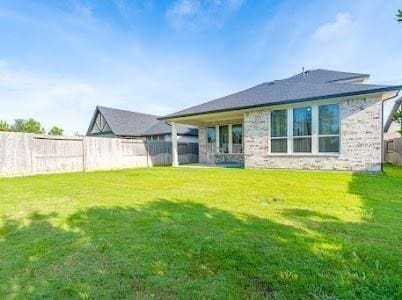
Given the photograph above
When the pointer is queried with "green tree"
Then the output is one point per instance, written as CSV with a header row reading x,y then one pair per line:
x,y
4,126
399,15
398,118
30,126
55,131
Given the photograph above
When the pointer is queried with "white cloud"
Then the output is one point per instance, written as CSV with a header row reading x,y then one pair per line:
x,y
108,67
156,86
342,27
51,100
87,62
185,7
198,14
350,39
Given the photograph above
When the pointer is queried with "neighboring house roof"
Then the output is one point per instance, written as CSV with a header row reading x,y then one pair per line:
x,y
313,85
129,123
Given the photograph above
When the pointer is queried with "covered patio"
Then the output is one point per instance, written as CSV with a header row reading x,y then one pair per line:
x,y
220,138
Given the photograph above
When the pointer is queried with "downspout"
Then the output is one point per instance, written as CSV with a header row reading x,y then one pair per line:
x,y
382,128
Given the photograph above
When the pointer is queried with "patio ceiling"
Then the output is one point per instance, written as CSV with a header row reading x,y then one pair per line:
x,y
205,119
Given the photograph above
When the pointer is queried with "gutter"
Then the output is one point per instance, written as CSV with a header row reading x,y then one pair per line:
x,y
386,89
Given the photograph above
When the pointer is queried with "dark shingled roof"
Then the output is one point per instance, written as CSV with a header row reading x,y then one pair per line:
x,y
314,85
129,123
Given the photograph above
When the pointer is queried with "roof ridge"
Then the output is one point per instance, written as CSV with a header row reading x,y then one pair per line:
x,y
338,82
125,110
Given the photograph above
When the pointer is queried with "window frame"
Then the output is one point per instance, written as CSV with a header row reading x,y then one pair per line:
x,y
279,137
310,136
218,148
214,128
314,105
338,135
231,138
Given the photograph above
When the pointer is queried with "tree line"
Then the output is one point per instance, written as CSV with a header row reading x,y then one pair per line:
x,y
29,126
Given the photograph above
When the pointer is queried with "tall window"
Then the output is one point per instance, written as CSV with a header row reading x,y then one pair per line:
x,y
279,131
237,138
328,132
302,129
211,135
224,139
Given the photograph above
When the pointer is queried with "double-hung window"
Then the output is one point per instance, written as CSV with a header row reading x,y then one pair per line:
x,y
328,132
312,129
279,131
302,125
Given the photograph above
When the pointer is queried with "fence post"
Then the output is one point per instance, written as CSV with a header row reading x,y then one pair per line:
x,y
84,168
147,150
31,150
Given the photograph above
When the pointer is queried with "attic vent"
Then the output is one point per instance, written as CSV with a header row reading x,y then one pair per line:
x,y
304,73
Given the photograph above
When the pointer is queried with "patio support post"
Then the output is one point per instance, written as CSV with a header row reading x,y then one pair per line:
x,y
175,156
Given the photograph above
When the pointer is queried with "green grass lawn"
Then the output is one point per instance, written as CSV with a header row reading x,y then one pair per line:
x,y
202,233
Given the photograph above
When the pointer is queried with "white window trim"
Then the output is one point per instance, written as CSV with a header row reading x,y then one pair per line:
x,y
278,137
314,133
230,136
314,129
207,131
290,131
330,135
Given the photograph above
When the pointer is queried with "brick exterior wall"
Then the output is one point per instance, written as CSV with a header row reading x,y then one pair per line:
x,y
361,142
202,145
229,158
256,139
361,145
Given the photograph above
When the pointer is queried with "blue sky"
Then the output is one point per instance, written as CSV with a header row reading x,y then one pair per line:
x,y
59,59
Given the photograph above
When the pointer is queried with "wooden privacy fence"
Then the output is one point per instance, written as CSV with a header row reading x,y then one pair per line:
x,y
393,151
160,153
26,154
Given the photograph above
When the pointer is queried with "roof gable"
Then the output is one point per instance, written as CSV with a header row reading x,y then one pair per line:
x,y
128,123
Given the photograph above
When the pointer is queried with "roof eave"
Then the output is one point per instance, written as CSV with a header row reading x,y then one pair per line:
x,y
360,76
386,89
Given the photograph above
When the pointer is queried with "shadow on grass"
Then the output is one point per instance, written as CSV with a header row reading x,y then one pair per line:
x,y
164,249
168,249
